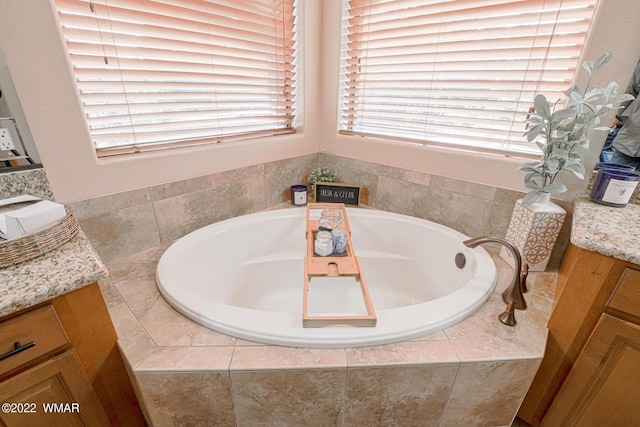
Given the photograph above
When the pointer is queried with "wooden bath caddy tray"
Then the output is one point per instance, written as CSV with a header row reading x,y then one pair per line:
x,y
343,265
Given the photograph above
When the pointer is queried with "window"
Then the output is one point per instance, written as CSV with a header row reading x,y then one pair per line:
x,y
456,72
154,74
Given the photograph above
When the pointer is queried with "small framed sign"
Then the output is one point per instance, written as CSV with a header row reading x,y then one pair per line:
x,y
331,192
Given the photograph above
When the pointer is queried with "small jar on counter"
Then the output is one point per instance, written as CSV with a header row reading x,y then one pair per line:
x,y
323,245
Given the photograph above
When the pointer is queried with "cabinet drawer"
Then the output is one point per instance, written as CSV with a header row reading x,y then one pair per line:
x,y
626,296
29,336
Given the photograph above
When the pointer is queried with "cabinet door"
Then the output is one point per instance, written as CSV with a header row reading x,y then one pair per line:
x,y
28,398
603,386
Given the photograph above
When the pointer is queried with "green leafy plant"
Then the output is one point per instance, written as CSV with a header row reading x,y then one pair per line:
x,y
321,175
561,132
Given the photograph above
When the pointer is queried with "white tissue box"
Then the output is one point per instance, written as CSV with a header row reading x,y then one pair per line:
x,y
27,214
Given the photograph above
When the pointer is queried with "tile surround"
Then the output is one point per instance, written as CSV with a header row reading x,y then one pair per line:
x,y
399,399
190,375
188,398
129,222
126,223
288,397
176,359
471,208
500,388
209,361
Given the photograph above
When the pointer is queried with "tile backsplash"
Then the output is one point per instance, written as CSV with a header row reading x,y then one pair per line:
x,y
121,224
125,223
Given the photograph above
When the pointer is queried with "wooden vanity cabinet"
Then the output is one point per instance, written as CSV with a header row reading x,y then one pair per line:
x,y
55,392
590,374
64,352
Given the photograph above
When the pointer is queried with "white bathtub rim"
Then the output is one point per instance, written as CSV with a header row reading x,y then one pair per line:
x,y
328,337
392,323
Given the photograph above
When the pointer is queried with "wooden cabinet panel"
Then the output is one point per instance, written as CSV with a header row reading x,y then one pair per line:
x,y
40,327
585,282
626,296
76,353
60,381
602,388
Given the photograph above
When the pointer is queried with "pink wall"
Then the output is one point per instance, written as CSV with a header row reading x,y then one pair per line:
x,y
36,58
616,30
34,52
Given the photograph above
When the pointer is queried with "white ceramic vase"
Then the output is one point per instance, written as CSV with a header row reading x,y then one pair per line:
x,y
534,231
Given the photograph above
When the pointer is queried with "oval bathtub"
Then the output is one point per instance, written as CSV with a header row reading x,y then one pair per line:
x,y
244,277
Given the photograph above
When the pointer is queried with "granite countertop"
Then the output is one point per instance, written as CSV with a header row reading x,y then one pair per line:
x,y
607,230
72,266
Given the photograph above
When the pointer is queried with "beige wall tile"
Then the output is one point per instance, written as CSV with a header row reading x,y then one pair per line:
x,y
186,205
462,212
499,218
123,232
538,310
330,160
398,396
508,197
249,173
114,202
182,214
416,177
140,295
306,161
273,357
179,215
132,337
139,266
188,399
192,359
367,180
463,187
403,197
403,353
488,394
544,284
439,335
467,214
534,337
135,342
292,397
185,186
277,184
240,197
485,349
167,327
484,324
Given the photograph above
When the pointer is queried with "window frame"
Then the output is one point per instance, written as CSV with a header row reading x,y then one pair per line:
x,y
509,147
288,117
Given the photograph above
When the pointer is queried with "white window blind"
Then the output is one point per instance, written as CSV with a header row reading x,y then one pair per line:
x,y
154,74
456,72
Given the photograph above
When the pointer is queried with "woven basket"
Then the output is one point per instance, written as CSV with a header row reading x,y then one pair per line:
x,y
30,246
